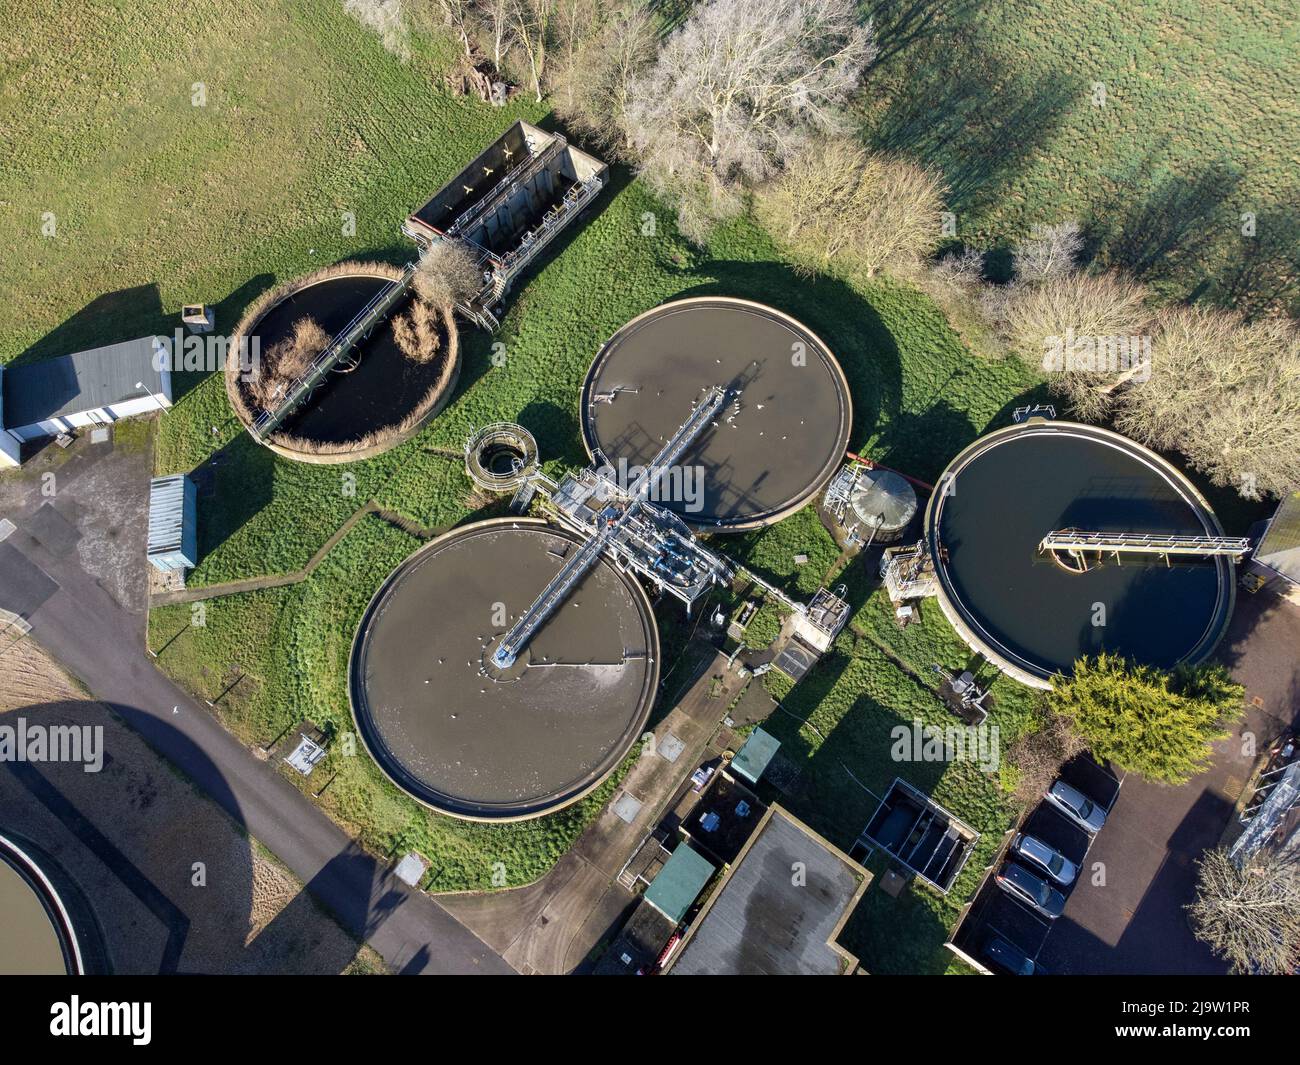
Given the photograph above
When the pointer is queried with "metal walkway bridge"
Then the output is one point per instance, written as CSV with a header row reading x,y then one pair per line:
x,y
335,352
1078,541
532,619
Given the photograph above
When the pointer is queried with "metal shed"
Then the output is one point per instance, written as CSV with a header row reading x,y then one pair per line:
x,y
679,883
173,523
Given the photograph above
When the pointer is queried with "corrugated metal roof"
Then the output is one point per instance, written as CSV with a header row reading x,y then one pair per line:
x,y
1280,547
679,883
166,513
87,380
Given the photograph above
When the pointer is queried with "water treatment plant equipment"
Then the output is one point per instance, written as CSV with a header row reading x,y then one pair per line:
x,y
479,742
1051,541
870,505
781,436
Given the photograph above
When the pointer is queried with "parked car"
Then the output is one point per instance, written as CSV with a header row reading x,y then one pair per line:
x,y
1076,806
1012,959
1031,889
1038,855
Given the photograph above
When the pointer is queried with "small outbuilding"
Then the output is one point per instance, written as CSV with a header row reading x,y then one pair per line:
x,y
1276,559
173,523
679,883
95,387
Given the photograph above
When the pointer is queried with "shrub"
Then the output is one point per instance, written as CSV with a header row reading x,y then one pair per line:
x,y
287,360
1157,724
840,205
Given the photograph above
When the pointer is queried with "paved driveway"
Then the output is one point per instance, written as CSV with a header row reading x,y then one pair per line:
x,y
1134,921
85,607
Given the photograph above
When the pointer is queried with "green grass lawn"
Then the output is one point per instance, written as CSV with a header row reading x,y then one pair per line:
x,y
307,117
1200,122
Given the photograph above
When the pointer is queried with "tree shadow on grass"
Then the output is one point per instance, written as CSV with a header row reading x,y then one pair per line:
x,y
959,110
903,25
1172,234
922,443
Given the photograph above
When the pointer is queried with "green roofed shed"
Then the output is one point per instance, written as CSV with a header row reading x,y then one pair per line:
x,y
753,758
679,883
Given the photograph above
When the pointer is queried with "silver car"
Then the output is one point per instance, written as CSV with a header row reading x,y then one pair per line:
x,y
1076,806
1031,889
1038,855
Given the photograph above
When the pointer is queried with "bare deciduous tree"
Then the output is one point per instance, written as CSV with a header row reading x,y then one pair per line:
x,y
1249,916
387,19
840,205
737,92
446,275
594,80
461,17
496,19
1073,325
1050,251
1226,393
530,21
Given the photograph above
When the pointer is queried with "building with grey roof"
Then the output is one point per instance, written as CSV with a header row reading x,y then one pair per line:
x,y
780,909
1277,555
95,387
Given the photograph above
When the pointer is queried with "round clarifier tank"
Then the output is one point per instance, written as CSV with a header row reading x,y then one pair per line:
x,y
36,934
1034,616
776,443
474,741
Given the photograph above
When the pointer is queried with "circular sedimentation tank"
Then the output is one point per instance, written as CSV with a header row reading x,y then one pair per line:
x,y
376,399
771,449
1033,614
496,745
37,937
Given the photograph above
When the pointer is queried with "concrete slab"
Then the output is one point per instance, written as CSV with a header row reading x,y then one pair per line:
x,y
626,807
670,748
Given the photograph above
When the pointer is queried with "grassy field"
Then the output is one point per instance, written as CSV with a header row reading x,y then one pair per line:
x,y
1199,123
306,117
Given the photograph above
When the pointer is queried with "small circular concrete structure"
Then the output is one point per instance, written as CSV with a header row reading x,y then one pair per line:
x,y
1029,615
376,399
498,745
37,934
500,457
881,505
768,453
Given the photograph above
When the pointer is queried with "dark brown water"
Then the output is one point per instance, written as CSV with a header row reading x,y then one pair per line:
x,y
794,418
29,944
1041,616
513,745
384,387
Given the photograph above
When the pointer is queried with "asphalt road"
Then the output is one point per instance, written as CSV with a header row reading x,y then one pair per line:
x,y
102,643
